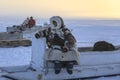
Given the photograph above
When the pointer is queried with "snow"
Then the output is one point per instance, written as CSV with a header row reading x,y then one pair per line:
x,y
99,58
15,56
37,59
87,36
87,32
108,78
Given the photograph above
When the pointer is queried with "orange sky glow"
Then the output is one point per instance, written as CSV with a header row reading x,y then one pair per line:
x,y
66,8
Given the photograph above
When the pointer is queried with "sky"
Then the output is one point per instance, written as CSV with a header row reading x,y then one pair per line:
x,y
65,8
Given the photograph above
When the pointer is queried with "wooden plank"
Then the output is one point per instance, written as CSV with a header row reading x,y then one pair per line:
x,y
15,43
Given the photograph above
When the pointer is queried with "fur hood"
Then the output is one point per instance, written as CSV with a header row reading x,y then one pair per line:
x,y
59,20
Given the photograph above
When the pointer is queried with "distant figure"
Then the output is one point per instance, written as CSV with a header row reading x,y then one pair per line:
x,y
25,23
31,22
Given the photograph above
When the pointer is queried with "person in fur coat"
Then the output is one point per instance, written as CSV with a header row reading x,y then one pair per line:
x,y
62,45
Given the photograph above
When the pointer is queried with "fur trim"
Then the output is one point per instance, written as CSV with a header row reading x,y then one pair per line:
x,y
58,20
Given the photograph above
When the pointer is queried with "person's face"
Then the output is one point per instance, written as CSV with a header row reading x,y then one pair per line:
x,y
55,23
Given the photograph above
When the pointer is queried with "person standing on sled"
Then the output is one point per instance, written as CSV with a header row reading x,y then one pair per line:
x,y
31,22
62,45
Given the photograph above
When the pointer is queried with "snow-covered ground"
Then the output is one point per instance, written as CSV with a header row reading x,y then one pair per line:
x,y
15,56
87,32
108,78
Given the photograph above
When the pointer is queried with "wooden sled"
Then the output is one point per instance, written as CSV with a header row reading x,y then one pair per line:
x,y
92,64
